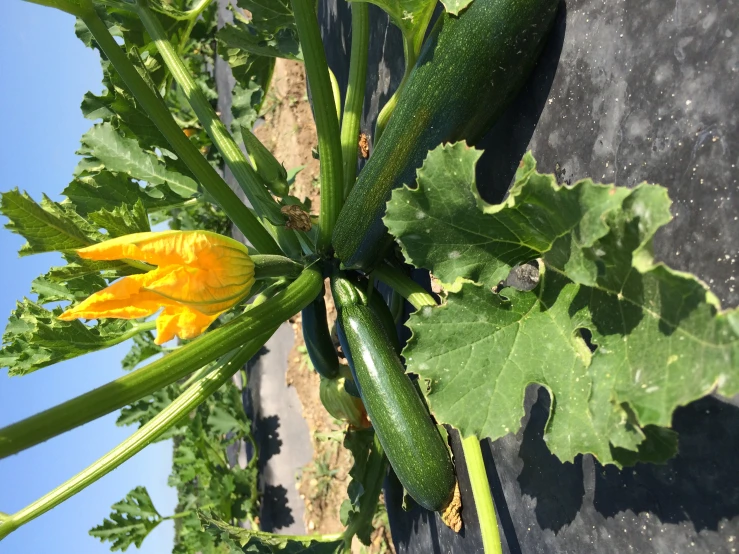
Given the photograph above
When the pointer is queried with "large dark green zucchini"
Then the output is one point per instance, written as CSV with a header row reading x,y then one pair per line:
x,y
469,70
377,304
412,443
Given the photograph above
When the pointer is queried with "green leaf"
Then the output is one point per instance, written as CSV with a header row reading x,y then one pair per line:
x,y
125,24
47,227
118,107
410,16
224,420
123,220
250,48
245,540
455,6
358,441
91,192
143,410
34,337
131,520
142,349
245,107
75,290
271,14
482,242
659,336
119,154
270,31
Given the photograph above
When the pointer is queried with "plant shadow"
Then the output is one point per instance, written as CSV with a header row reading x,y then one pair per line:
x,y
558,487
275,512
268,439
700,485
506,143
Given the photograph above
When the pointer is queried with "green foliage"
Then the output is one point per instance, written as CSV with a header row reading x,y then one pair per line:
x,y
120,154
270,31
123,22
659,337
91,192
35,338
359,443
142,349
250,48
131,520
122,220
48,227
201,471
144,409
202,215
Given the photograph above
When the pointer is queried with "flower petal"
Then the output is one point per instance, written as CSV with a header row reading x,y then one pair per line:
x,y
192,248
125,299
210,291
183,322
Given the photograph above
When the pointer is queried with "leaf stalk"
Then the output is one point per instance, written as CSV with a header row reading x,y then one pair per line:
x,y
251,184
411,55
327,124
481,494
404,285
148,433
355,90
154,106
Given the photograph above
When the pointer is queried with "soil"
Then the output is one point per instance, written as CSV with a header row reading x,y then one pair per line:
x,y
289,132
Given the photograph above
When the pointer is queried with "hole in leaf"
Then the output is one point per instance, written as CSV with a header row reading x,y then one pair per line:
x,y
587,337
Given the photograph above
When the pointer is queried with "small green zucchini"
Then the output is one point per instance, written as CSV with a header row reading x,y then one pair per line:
x,y
340,404
469,70
317,339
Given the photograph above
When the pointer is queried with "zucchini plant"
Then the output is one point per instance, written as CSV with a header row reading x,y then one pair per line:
x,y
618,340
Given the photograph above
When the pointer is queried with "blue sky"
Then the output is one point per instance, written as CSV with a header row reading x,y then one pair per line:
x,y
45,72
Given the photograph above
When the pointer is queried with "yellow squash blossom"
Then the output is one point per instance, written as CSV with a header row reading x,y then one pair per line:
x,y
198,276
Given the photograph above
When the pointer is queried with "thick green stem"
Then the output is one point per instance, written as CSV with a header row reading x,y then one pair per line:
x,y
354,93
327,124
255,191
404,285
160,373
481,493
148,433
272,267
154,106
